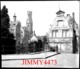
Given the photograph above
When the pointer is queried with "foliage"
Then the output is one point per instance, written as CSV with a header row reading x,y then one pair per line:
x,y
74,41
7,39
45,40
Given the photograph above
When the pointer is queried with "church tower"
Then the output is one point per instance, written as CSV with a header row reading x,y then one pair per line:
x,y
13,25
14,17
29,23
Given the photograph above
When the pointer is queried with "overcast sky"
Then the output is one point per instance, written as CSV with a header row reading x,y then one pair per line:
x,y
43,12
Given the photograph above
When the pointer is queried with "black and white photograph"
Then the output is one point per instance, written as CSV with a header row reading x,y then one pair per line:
x,y
40,34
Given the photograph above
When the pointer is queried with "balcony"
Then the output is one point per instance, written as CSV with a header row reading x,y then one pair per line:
x,y
61,28
60,39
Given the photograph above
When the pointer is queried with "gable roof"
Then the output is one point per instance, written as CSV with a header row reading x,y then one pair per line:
x,y
60,11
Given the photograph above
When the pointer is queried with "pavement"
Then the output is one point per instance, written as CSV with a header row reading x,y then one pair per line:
x,y
63,60
40,55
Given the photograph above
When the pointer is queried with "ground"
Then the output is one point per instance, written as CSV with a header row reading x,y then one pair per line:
x,y
65,60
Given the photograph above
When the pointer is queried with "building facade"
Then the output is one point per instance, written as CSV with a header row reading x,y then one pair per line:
x,y
61,32
28,27
15,28
13,25
22,34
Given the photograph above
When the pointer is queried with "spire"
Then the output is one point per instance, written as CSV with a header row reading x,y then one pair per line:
x,y
34,38
14,17
60,11
59,6
34,33
73,14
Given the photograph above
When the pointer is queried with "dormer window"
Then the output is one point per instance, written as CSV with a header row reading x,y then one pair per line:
x,y
59,20
60,13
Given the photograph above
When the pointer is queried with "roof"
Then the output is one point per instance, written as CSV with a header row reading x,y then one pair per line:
x,y
14,15
34,38
60,11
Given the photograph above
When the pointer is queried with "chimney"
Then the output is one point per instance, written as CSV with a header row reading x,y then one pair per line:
x,y
34,33
68,14
29,14
73,15
14,17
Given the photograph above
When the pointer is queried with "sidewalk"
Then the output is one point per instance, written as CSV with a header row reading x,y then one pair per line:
x,y
28,56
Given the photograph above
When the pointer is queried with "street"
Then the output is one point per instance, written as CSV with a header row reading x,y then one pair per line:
x,y
64,60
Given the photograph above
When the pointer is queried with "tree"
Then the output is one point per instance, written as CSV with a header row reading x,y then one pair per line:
x,y
74,41
25,40
18,34
74,37
7,39
18,38
45,42
45,39
40,44
4,22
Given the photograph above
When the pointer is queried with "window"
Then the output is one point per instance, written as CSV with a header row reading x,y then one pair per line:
x,y
59,20
54,33
64,33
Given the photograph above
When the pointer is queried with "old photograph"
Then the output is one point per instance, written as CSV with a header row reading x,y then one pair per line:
x,y
38,34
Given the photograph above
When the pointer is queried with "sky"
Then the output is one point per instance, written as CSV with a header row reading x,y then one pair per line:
x,y
43,12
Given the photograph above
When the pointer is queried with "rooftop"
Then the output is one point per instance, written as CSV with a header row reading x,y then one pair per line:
x,y
60,12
